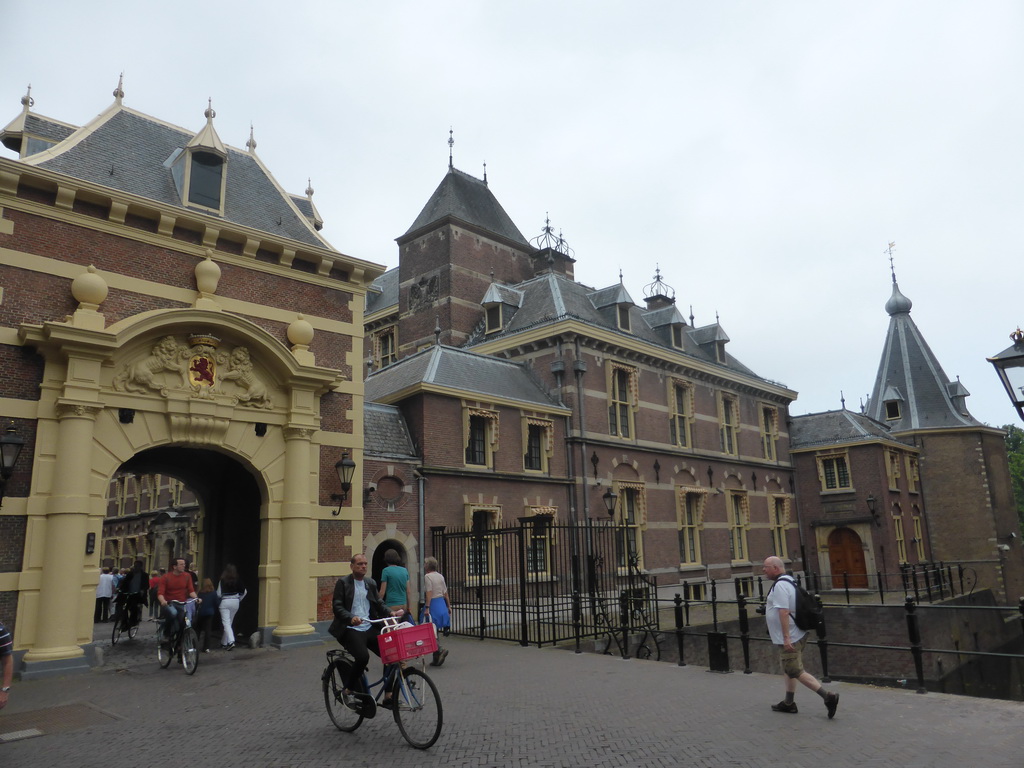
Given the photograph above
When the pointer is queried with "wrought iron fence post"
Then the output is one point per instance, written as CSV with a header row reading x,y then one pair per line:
x,y
741,604
914,631
1020,607
881,590
822,632
913,579
714,604
846,586
927,583
524,624
678,610
949,577
624,621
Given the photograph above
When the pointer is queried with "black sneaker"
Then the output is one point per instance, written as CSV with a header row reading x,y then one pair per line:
x,y
782,706
832,704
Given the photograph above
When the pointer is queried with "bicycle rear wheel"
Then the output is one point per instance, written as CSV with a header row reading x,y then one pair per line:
x,y
417,708
343,717
116,634
189,651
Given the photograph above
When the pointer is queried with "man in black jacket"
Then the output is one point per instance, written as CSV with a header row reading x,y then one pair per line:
x,y
356,598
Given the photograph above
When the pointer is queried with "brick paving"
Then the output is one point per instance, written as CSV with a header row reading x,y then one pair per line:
x,y
504,706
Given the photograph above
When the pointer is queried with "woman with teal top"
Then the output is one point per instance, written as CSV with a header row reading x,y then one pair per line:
x,y
394,583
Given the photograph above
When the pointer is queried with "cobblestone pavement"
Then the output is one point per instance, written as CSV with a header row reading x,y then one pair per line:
x,y
503,706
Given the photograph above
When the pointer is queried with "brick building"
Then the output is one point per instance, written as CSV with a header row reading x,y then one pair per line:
x,y
527,393
168,310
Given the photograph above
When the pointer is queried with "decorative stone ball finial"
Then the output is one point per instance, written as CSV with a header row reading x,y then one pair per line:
x,y
300,332
89,289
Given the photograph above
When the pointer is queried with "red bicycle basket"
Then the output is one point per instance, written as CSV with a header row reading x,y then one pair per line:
x,y
408,643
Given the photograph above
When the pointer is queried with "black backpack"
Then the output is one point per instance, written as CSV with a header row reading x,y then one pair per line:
x,y
808,612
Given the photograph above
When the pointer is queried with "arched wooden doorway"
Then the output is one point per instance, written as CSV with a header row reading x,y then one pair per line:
x,y
846,556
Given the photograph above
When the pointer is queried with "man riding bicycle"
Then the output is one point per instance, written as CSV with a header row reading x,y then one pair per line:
x,y
133,593
174,586
357,598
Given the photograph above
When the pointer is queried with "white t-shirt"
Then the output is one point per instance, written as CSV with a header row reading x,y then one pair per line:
x,y
434,584
782,595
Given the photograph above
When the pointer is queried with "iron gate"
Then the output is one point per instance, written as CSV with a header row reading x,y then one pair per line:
x,y
540,583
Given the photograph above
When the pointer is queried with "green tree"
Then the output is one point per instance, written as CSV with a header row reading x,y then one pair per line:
x,y
1015,453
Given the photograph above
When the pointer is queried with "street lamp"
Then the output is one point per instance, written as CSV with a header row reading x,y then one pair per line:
x,y
11,444
611,498
1009,365
871,508
345,468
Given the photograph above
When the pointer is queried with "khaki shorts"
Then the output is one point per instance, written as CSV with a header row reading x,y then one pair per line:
x,y
792,662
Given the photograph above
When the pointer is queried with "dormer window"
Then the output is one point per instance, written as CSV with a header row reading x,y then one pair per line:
x,y
892,409
677,335
494,318
206,179
623,317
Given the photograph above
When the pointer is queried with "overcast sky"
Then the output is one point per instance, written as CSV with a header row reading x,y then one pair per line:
x,y
761,154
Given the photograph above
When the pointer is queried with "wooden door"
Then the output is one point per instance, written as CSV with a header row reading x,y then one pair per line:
x,y
846,555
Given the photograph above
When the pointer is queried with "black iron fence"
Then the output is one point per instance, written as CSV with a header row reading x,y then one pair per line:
x,y
927,582
538,582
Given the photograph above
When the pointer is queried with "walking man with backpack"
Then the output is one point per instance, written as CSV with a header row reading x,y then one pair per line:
x,y
789,639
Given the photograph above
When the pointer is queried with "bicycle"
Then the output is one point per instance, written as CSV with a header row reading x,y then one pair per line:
x,y
415,702
184,643
127,618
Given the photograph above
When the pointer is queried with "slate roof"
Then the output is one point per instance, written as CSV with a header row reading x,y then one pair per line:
x,y
386,433
909,368
469,200
551,298
136,147
383,292
459,370
836,427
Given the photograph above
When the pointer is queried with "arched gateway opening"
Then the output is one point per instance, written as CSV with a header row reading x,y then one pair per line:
x,y
228,525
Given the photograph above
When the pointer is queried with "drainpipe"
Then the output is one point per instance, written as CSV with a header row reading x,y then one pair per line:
x,y
423,542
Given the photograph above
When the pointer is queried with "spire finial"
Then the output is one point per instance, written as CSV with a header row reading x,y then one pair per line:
x,y
451,143
119,91
892,267
485,173
27,101
620,275
842,399
251,143
309,188
209,113
437,330
691,317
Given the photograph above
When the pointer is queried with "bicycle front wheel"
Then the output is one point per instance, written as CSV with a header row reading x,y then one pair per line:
x,y
189,651
133,630
116,634
343,717
417,708
164,652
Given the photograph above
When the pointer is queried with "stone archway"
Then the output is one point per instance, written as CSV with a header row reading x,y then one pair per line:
x,y
165,381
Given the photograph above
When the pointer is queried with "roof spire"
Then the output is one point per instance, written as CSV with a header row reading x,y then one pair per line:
x,y
251,143
691,317
119,91
437,330
892,267
309,188
620,275
842,399
451,143
209,114
27,101
485,172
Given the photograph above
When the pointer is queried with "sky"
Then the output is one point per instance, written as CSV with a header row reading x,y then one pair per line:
x,y
760,155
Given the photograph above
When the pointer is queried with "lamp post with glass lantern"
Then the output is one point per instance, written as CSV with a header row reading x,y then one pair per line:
x,y
345,467
1009,365
11,444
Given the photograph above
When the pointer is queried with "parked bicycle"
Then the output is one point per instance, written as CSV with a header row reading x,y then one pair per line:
x,y
184,643
127,618
413,700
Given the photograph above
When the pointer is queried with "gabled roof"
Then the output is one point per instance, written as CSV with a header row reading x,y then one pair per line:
x,y
129,151
448,368
909,368
467,199
386,433
383,293
834,428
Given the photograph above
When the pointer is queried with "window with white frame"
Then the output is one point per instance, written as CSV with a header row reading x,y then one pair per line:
x,y
681,410
918,533
892,469
385,346
622,399
769,431
913,473
690,511
729,419
833,472
481,429
779,518
897,527
482,541
739,522
538,440
538,539
630,517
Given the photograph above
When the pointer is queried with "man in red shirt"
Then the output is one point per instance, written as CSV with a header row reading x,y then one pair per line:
x,y
176,585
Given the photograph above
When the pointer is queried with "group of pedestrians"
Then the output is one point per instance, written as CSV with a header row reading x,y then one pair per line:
x,y
180,585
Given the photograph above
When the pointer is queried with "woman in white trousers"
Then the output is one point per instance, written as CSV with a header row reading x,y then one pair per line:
x,y
232,591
